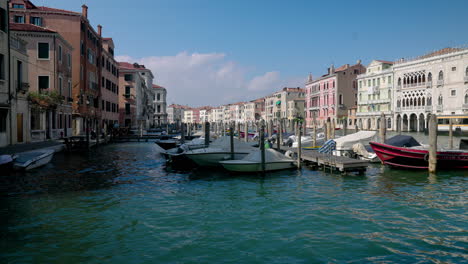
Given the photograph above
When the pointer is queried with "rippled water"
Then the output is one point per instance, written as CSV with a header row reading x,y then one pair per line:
x,y
120,205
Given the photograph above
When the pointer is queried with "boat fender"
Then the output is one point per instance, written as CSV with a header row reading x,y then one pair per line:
x,y
289,154
426,157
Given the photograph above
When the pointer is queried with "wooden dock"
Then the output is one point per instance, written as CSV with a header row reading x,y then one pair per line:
x,y
333,163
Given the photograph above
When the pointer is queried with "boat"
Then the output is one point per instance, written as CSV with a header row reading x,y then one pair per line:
x,y
167,143
33,159
306,141
253,162
6,162
219,150
344,145
417,157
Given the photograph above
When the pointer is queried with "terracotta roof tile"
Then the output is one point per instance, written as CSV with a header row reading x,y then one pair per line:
x,y
157,86
50,9
134,66
29,27
383,61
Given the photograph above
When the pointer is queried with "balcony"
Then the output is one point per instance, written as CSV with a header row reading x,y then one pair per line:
x,y
428,108
429,84
398,88
397,109
440,82
440,108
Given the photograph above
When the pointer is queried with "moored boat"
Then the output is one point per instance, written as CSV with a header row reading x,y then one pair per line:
x,y
252,162
166,144
33,159
417,157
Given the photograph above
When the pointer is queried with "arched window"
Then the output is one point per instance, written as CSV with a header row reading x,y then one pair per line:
x,y
398,103
466,71
429,77
429,100
389,123
404,103
399,81
441,100
341,99
360,97
423,101
441,76
466,98
404,81
419,101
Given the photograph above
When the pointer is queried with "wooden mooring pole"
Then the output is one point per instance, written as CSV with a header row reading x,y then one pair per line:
x,y
382,128
450,134
207,133
182,133
231,137
246,134
432,144
262,146
299,146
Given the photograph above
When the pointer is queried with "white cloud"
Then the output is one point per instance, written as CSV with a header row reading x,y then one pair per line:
x,y
208,78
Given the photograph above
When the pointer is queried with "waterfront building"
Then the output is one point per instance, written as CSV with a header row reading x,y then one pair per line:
x,y
253,110
375,88
352,117
295,109
135,104
205,114
331,95
160,113
50,78
433,83
217,114
76,29
175,113
109,83
192,116
19,91
5,106
236,112
276,105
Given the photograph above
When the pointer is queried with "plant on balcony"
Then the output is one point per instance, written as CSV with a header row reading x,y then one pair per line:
x,y
45,100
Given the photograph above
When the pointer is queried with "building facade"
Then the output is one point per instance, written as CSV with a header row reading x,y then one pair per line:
x,y
375,90
76,29
136,101
109,84
160,105
433,83
175,113
331,95
5,106
50,77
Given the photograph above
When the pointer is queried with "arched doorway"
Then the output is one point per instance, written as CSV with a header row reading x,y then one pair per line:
x,y
413,122
405,123
422,123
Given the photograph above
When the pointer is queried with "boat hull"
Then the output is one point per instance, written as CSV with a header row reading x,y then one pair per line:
x,y
418,158
35,163
167,144
212,159
257,167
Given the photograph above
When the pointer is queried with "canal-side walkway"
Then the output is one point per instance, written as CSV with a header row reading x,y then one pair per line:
x,y
18,148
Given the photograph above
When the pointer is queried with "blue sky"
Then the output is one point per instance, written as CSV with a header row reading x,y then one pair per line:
x,y
214,52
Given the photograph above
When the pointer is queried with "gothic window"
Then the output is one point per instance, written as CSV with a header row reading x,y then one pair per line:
x,y
441,76
398,103
399,81
429,77
424,78
466,98
440,100
419,101
466,71
423,101
429,100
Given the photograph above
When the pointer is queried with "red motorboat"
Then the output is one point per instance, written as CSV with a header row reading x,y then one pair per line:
x,y
417,158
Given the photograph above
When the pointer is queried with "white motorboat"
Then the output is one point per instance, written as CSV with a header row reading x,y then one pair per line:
x,y
344,145
219,150
306,141
253,162
33,159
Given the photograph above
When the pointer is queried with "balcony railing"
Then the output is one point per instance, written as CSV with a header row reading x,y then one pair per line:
x,y
428,108
440,82
398,88
440,108
397,109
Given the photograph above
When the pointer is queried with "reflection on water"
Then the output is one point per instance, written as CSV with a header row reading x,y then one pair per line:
x,y
121,204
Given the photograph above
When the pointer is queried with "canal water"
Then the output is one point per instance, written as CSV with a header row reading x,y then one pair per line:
x,y
121,204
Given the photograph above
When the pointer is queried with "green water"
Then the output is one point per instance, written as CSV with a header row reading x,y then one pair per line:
x,y
120,205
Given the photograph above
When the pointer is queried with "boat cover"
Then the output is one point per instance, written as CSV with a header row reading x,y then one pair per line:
x,y
271,155
4,159
348,141
361,150
327,147
223,144
402,141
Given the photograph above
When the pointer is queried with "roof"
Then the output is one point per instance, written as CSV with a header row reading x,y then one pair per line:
x,y
383,61
440,52
106,39
130,66
50,9
29,27
298,89
158,87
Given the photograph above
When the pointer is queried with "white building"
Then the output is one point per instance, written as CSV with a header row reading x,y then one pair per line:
x,y
433,83
375,89
160,105
175,113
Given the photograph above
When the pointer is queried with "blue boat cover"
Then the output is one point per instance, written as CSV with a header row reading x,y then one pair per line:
x,y
327,147
402,141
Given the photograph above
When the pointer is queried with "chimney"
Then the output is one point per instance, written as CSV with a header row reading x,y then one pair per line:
x,y
358,61
331,70
99,30
84,11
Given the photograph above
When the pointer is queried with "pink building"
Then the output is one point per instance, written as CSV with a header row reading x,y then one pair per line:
x,y
331,95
